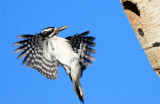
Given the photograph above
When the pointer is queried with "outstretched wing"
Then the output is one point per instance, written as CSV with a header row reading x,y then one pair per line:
x,y
82,44
32,49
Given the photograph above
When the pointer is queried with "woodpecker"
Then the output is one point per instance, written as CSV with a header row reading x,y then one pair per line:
x,y
46,51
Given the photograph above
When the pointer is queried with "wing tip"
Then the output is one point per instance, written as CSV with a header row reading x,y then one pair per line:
x,y
15,44
94,51
17,50
85,33
92,58
94,44
88,31
20,36
24,36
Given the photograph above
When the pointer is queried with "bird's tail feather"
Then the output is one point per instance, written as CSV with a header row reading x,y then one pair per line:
x,y
79,91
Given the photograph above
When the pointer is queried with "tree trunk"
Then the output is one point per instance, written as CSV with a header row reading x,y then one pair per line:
x,y
144,16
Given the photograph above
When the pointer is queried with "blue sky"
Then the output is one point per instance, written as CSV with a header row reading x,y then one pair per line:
x,y
122,73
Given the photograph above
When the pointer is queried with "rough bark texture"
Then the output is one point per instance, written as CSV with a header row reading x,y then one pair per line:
x,y
144,16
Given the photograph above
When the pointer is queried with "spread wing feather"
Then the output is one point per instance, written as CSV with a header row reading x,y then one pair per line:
x,y
32,49
82,44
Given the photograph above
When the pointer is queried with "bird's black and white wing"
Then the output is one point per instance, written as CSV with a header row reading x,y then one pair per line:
x,y
82,45
32,48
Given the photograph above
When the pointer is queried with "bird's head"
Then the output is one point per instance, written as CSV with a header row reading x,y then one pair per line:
x,y
52,31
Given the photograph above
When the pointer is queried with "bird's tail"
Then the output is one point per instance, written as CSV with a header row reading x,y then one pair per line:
x,y
79,91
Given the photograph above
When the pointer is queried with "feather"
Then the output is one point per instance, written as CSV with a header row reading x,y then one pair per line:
x,y
90,50
24,53
20,43
25,36
88,56
89,38
87,61
82,44
84,33
21,48
26,59
92,44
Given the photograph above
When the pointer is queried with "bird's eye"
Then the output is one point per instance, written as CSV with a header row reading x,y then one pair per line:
x,y
51,30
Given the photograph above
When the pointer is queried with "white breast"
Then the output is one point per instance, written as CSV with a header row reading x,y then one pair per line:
x,y
62,51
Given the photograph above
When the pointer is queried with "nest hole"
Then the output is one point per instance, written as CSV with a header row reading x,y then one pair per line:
x,y
132,7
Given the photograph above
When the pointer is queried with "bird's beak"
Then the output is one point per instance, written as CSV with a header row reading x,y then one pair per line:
x,y
62,28
57,31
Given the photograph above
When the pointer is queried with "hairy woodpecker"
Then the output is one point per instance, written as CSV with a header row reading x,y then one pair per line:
x,y
45,52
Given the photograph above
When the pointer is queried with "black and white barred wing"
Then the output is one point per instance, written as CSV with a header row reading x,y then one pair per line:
x,y
32,49
82,44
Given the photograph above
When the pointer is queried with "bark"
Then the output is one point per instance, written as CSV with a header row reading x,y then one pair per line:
x,y
144,16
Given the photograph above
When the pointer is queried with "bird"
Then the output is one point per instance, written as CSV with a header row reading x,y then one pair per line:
x,y
45,52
